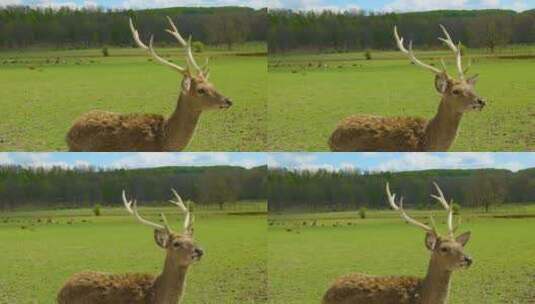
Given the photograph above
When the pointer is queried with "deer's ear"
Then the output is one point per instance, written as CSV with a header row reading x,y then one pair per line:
x,y
186,83
463,238
442,82
473,80
430,241
161,237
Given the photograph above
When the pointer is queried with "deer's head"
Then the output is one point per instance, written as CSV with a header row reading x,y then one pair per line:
x,y
195,84
457,94
202,93
180,247
447,251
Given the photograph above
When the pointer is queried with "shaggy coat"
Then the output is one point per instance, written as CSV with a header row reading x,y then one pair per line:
x,y
375,133
101,131
102,288
363,289
364,133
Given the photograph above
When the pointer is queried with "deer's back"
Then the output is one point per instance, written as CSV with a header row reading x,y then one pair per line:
x,y
102,131
363,289
373,133
102,288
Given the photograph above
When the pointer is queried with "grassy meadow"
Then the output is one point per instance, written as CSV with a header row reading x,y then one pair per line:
x,y
41,249
310,93
307,252
43,92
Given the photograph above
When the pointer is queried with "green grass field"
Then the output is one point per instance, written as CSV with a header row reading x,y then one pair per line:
x,y
40,99
310,93
36,260
304,259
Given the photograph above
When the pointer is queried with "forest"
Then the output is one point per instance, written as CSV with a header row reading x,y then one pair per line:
x,y
60,187
352,189
329,31
24,27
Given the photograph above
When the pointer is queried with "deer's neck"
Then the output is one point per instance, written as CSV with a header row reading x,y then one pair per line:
x,y
436,285
181,126
442,130
169,285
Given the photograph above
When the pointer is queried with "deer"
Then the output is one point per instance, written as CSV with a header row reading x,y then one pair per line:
x,y
368,133
447,256
102,131
133,288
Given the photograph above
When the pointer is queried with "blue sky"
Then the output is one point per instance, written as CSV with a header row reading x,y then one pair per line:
x,y
401,161
133,160
330,161
376,5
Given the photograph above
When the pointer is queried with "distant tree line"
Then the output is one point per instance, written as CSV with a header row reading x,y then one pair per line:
x,y
352,189
349,31
22,27
83,187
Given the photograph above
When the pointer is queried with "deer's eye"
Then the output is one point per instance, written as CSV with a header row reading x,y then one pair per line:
x,y
177,245
201,91
456,92
444,250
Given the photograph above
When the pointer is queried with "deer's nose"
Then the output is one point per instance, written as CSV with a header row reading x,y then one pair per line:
x,y
468,260
199,252
481,102
228,102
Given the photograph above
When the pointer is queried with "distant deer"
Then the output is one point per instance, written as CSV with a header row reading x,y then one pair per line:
x,y
101,131
133,288
382,134
447,255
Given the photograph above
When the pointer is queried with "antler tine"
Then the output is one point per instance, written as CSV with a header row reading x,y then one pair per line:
x,y
410,53
188,221
446,206
404,215
131,207
186,44
456,49
151,50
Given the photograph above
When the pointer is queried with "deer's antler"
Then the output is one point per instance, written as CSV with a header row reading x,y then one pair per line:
x,y
440,197
447,40
131,207
404,215
410,53
186,44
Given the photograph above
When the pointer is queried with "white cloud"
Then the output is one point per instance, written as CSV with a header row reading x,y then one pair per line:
x,y
5,159
10,2
424,161
148,160
171,3
313,5
426,5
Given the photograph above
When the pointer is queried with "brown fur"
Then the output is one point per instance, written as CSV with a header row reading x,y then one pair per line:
x,y
358,288
134,288
101,131
375,133
103,288
447,256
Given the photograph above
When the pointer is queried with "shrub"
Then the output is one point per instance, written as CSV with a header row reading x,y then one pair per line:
x,y
198,47
456,208
362,212
96,210
105,52
368,55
